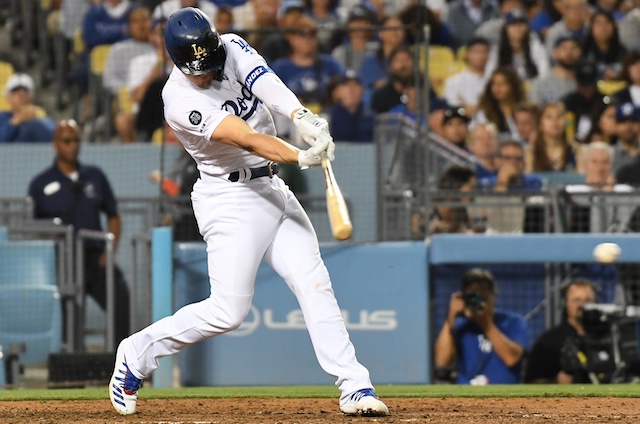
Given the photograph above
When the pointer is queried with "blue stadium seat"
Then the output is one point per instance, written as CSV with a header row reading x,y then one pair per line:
x,y
31,315
28,263
3,234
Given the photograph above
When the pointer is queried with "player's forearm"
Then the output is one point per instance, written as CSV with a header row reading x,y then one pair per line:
x,y
507,350
270,147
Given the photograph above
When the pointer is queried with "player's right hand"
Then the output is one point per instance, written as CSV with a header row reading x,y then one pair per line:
x,y
310,126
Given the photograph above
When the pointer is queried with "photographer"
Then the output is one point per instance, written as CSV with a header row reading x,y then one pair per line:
x,y
544,361
488,344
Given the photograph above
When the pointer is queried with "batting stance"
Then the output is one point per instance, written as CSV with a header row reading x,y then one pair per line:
x,y
217,100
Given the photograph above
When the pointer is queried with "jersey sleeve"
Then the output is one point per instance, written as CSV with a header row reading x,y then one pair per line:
x,y
254,73
196,116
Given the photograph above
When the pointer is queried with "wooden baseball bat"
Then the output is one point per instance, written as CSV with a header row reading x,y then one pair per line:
x,y
336,206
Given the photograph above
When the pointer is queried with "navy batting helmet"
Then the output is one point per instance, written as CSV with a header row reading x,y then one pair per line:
x,y
194,44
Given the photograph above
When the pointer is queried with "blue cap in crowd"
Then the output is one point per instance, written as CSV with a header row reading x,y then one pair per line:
x,y
515,16
290,5
627,112
567,36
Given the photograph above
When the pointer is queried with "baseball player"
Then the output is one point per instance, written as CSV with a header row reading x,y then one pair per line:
x,y
217,100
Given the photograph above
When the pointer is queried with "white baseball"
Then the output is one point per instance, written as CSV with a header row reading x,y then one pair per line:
x,y
606,253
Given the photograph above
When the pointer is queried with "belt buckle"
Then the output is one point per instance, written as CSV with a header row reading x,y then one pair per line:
x,y
270,167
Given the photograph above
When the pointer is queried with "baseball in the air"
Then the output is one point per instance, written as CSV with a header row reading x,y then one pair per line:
x,y
606,253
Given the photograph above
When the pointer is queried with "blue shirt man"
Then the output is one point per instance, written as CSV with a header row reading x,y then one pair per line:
x,y
78,195
488,344
25,122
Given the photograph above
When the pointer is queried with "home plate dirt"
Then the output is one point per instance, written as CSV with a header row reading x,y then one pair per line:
x,y
285,411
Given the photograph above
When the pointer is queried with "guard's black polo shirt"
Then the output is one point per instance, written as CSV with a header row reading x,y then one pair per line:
x,y
78,203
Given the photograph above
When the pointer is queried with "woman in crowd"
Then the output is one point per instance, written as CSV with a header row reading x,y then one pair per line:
x,y
373,71
498,102
551,150
519,47
603,123
603,46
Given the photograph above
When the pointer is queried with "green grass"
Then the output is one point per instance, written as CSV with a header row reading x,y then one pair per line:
x,y
618,390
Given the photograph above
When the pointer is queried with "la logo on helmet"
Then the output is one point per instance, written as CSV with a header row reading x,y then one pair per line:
x,y
198,51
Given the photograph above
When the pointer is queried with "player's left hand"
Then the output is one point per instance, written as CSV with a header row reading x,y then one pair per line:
x,y
310,126
325,144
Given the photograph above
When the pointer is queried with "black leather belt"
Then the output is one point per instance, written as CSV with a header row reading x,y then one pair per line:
x,y
268,170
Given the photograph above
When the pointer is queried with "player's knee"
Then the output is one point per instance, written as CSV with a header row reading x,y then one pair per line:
x,y
230,310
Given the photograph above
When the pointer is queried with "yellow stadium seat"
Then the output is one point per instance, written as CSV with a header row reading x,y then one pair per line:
x,y
6,70
158,136
124,100
442,64
461,54
78,42
611,87
98,58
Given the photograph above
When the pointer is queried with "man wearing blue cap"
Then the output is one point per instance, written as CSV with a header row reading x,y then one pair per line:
x,y
561,79
628,128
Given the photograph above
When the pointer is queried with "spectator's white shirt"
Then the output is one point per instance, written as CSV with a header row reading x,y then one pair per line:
x,y
116,68
464,88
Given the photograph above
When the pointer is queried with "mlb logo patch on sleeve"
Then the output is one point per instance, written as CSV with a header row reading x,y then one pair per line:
x,y
195,117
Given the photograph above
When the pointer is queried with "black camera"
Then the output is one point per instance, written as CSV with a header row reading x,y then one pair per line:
x,y
474,301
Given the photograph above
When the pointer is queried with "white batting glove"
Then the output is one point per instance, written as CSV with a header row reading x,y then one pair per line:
x,y
308,158
310,126
314,155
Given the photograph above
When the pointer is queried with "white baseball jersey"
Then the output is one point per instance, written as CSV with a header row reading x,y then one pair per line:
x,y
194,113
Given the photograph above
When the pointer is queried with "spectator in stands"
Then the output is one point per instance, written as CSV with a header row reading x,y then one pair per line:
x,y
629,173
145,68
561,79
629,27
465,17
584,102
488,344
543,362
510,214
603,123
117,67
374,69
325,14
550,150
483,144
498,102
452,218
465,87
399,73
72,13
575,21
306,72
25,121
603,46
597,215
413,90
264,17
167,7
106,22
525,116
510,175
628,130
415,16
348,118
520,48
630,74
223,20
455,126
359,39
77,194
276,45
546,17
490,29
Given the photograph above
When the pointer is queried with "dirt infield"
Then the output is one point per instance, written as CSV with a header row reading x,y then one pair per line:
x,y
284,411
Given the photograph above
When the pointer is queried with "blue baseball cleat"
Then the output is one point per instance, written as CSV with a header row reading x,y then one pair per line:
x,y
124,386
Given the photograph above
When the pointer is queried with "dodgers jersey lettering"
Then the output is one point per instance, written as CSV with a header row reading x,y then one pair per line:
x,y
194,113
